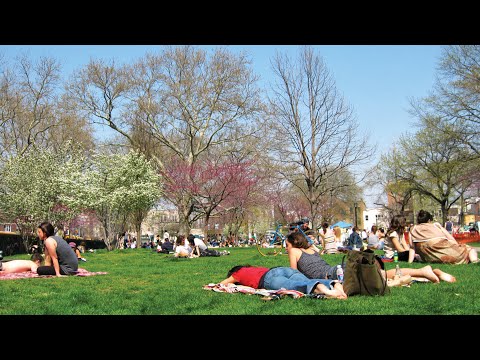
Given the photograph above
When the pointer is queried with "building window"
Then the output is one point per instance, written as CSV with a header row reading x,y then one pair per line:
x,y
8,228
366,217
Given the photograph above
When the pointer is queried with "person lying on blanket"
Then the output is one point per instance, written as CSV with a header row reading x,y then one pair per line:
x,y
282,277
17,266
308,261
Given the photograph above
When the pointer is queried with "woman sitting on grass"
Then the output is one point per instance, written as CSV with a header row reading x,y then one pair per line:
x,y
17,266
436,245
60,259
394,240
182,248
283,278
308,261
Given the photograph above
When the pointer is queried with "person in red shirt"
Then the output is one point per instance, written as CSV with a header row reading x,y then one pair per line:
x,y
282,277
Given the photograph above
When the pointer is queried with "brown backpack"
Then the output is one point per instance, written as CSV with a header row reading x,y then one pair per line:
x,y
363,275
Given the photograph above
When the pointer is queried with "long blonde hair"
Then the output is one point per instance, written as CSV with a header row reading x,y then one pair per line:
x,y
338,232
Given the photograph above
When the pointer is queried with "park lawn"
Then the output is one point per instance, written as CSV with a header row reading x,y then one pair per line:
x,y
142,282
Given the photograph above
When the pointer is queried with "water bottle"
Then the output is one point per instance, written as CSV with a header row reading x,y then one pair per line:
x,y
395,256
398,272
339,273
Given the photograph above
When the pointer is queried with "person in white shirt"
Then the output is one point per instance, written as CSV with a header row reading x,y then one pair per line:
x,y
165,235
182,249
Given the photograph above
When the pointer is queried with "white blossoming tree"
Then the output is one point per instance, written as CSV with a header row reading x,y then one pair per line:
x,y
115,187
32,187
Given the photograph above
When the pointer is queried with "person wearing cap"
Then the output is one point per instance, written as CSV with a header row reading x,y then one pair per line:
x,y
60,259
77,252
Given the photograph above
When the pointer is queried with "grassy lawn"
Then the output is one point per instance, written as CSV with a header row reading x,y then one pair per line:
x,y
142,282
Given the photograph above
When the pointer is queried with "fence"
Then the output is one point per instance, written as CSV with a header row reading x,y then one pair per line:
x,y
12,244
467,237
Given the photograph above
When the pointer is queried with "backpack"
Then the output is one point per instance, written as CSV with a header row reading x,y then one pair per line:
x,y
363,275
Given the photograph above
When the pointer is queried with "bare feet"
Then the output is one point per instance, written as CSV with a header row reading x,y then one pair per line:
x,y
444,276
428,273
339,286
335,293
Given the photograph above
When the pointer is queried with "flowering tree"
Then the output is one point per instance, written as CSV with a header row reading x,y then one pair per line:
x,y
32,188
213,186
115,186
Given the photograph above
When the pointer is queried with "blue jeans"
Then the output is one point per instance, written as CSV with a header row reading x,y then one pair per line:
x,y
291,279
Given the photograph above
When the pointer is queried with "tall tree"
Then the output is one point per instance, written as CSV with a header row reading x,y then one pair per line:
x,y
455,98
33,111
315,129
431,164
186,101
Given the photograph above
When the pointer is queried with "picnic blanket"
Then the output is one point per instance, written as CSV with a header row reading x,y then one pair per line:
x,y
266,294
29,274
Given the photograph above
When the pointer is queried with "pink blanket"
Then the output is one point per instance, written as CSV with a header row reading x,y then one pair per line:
x,y
29,274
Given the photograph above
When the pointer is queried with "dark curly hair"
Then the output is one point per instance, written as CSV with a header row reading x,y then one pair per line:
x,y
424,216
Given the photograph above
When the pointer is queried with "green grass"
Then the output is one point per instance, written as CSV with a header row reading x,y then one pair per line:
x,y
142,282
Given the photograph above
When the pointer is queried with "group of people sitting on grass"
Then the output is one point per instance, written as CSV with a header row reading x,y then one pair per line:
x,y
311,274
428,242
192,247
308,271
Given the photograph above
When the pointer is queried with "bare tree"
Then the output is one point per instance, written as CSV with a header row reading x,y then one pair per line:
x,y
27,98
185,101
455,98
316,127
32,111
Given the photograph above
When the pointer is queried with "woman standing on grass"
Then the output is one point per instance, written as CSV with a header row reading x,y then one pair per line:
x,y
60,259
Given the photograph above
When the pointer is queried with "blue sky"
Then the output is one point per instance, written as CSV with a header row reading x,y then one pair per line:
x,y
377,80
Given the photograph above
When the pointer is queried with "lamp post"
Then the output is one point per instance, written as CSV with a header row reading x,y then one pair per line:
x,y
355,214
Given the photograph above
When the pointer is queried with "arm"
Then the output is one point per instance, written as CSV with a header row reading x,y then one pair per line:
x,y
403,242
34,267
315,248
230,280
51,246
322,240
397,244
48,258
196,252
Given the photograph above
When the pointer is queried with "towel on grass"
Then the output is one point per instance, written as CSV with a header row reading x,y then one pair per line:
x,y
266,294
29,274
